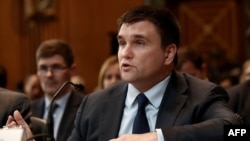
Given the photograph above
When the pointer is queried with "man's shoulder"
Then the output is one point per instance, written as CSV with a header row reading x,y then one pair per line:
x,y
198,87
7,93
118,89
190,80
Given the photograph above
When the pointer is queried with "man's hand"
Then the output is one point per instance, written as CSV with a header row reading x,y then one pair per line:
x,y
18,120
152,136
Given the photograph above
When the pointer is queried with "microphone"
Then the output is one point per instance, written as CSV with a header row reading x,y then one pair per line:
x,y
50,122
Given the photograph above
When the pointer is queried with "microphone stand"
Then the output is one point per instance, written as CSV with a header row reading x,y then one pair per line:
x,y
50,126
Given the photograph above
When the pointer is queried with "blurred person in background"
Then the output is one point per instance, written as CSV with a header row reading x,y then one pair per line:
x,y
109,73
32,87
189,61
245,72
231,78
219,65
240,94
55,66
240,100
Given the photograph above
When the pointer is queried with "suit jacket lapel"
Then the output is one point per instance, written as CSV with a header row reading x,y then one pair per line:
x,y
69,115
38,107
112,113
173,101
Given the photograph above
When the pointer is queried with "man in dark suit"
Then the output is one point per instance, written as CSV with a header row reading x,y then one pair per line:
x,y
55,66
180,107
11,101
240,99
176,106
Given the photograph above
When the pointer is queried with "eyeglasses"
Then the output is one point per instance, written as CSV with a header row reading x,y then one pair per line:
x,y
55,69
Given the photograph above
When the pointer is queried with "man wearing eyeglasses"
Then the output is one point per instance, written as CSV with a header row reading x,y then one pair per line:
x,y
55,66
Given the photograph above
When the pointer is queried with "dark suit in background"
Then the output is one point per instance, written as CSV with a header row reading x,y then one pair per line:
x,y
191,109
11,101
67,123
240,100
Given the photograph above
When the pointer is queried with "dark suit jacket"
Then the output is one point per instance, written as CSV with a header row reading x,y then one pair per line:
x,y
240,100
67,123
191,109
11,101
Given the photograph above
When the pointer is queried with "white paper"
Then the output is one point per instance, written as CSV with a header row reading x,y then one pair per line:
x,y
12,134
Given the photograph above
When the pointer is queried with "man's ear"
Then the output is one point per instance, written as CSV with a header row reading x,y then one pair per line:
x,y
170,52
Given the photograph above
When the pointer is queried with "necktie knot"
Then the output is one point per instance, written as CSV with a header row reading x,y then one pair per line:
x,y
142,100
54,107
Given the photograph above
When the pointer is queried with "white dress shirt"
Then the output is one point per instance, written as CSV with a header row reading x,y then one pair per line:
x,y
154,95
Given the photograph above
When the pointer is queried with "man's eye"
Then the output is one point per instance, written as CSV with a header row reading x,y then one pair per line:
x,y
43,68
121,43
56,67
140,43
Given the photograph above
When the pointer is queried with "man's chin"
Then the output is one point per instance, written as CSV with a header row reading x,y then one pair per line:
x,y
128,78
51,92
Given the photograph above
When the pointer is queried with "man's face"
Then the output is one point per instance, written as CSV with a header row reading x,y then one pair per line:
x,y
141,57
52,72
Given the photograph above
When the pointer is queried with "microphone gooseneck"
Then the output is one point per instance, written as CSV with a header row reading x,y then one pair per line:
x,y
78,86
50,126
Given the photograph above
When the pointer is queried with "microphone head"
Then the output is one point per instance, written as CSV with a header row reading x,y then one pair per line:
x,y
79,87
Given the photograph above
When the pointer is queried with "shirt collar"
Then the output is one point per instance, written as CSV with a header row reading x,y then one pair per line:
x,y
154,94
60,101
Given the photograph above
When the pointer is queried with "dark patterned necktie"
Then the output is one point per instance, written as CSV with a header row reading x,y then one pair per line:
x,y
141,122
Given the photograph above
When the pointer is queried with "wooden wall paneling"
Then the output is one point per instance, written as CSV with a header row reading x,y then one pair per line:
x,y
85,25
209,25
9,40
247,9
84,39
34,32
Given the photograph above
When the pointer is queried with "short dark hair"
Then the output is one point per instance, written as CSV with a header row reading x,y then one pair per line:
x,y
3,76
53,47
164,20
